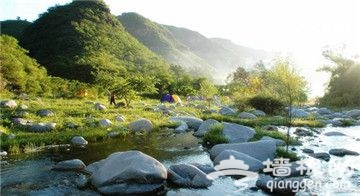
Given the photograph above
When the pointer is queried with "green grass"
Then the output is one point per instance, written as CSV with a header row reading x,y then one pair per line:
x,y
215,136
281,152
274,134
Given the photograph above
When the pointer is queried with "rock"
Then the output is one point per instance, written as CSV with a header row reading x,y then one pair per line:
x,y
69,165
295,170
227,111
105,123
182,128
100,107
71,125
22,114
254,164
141,125
78,141
3,153
191,121
8,104
113,134
354,113
42,127
189,176
11,136
204,168
45,113
334,133
299,113
247,115
23,107
259,113
342,152
324,111
308,151
81,181
120,118
300,131
278,142
21,122
261,150
236,133
270,128
264,183
205,127
321,155
130,172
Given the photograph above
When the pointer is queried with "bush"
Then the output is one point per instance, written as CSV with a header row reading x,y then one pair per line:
x,y
269,105
215,136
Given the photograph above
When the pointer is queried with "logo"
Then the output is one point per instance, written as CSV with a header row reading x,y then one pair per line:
x,y
234,167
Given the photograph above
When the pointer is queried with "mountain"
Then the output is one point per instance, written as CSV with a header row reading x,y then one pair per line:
x,y
217,57
84,41
224,55
161,41
14,28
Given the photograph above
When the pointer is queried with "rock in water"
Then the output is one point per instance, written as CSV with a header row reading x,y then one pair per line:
x,y
254,164
186,175
78,141
342,152
130,172
69,165
191,121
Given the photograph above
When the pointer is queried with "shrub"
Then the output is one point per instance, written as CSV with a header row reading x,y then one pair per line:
x,y
215,136
269,105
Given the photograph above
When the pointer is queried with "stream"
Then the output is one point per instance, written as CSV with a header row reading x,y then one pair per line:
x,y
31,174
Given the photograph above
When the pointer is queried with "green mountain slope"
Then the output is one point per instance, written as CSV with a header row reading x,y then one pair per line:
x,y
84,41
158,39
14,28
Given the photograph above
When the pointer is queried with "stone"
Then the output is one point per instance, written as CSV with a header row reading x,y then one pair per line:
x,y
189,176
11,136
261,150
259,113
226,111
45,113
308,151
141,125
300,131
42,127
264,182
321,155
78,141
254,164
23,107
8,104
69,165
204,168
130,172
334,133
205,127
105,123
21,122
81,181
113,134
120,118
342,152
354,113
247,115
299,113
270,128
278,142
323,111
191,121
100,107
71,125
182,128
3,153
236,133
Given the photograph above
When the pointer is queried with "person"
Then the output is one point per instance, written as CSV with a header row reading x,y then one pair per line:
x,y
112,98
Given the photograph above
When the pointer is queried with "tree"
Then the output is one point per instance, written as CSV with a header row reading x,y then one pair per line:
x,y
343,88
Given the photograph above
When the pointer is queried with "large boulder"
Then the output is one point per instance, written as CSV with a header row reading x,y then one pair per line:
x,y
130,172
278,142
78,141
191,121
247,115
45,113
141,125
354,113
205,127
182,128
227,111
301,131
254,164
342,152
105,123
8,104
68,165
299,113
187,175
42,127
261,150
236,133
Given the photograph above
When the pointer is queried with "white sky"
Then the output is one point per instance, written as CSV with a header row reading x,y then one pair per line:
x,y
299,28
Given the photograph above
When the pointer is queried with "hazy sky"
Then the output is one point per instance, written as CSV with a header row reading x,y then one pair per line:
x,y
299,28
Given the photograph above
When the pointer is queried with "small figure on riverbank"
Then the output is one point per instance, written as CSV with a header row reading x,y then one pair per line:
x,y
112,98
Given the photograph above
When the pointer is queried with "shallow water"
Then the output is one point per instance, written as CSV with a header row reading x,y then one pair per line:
x,y
31,174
